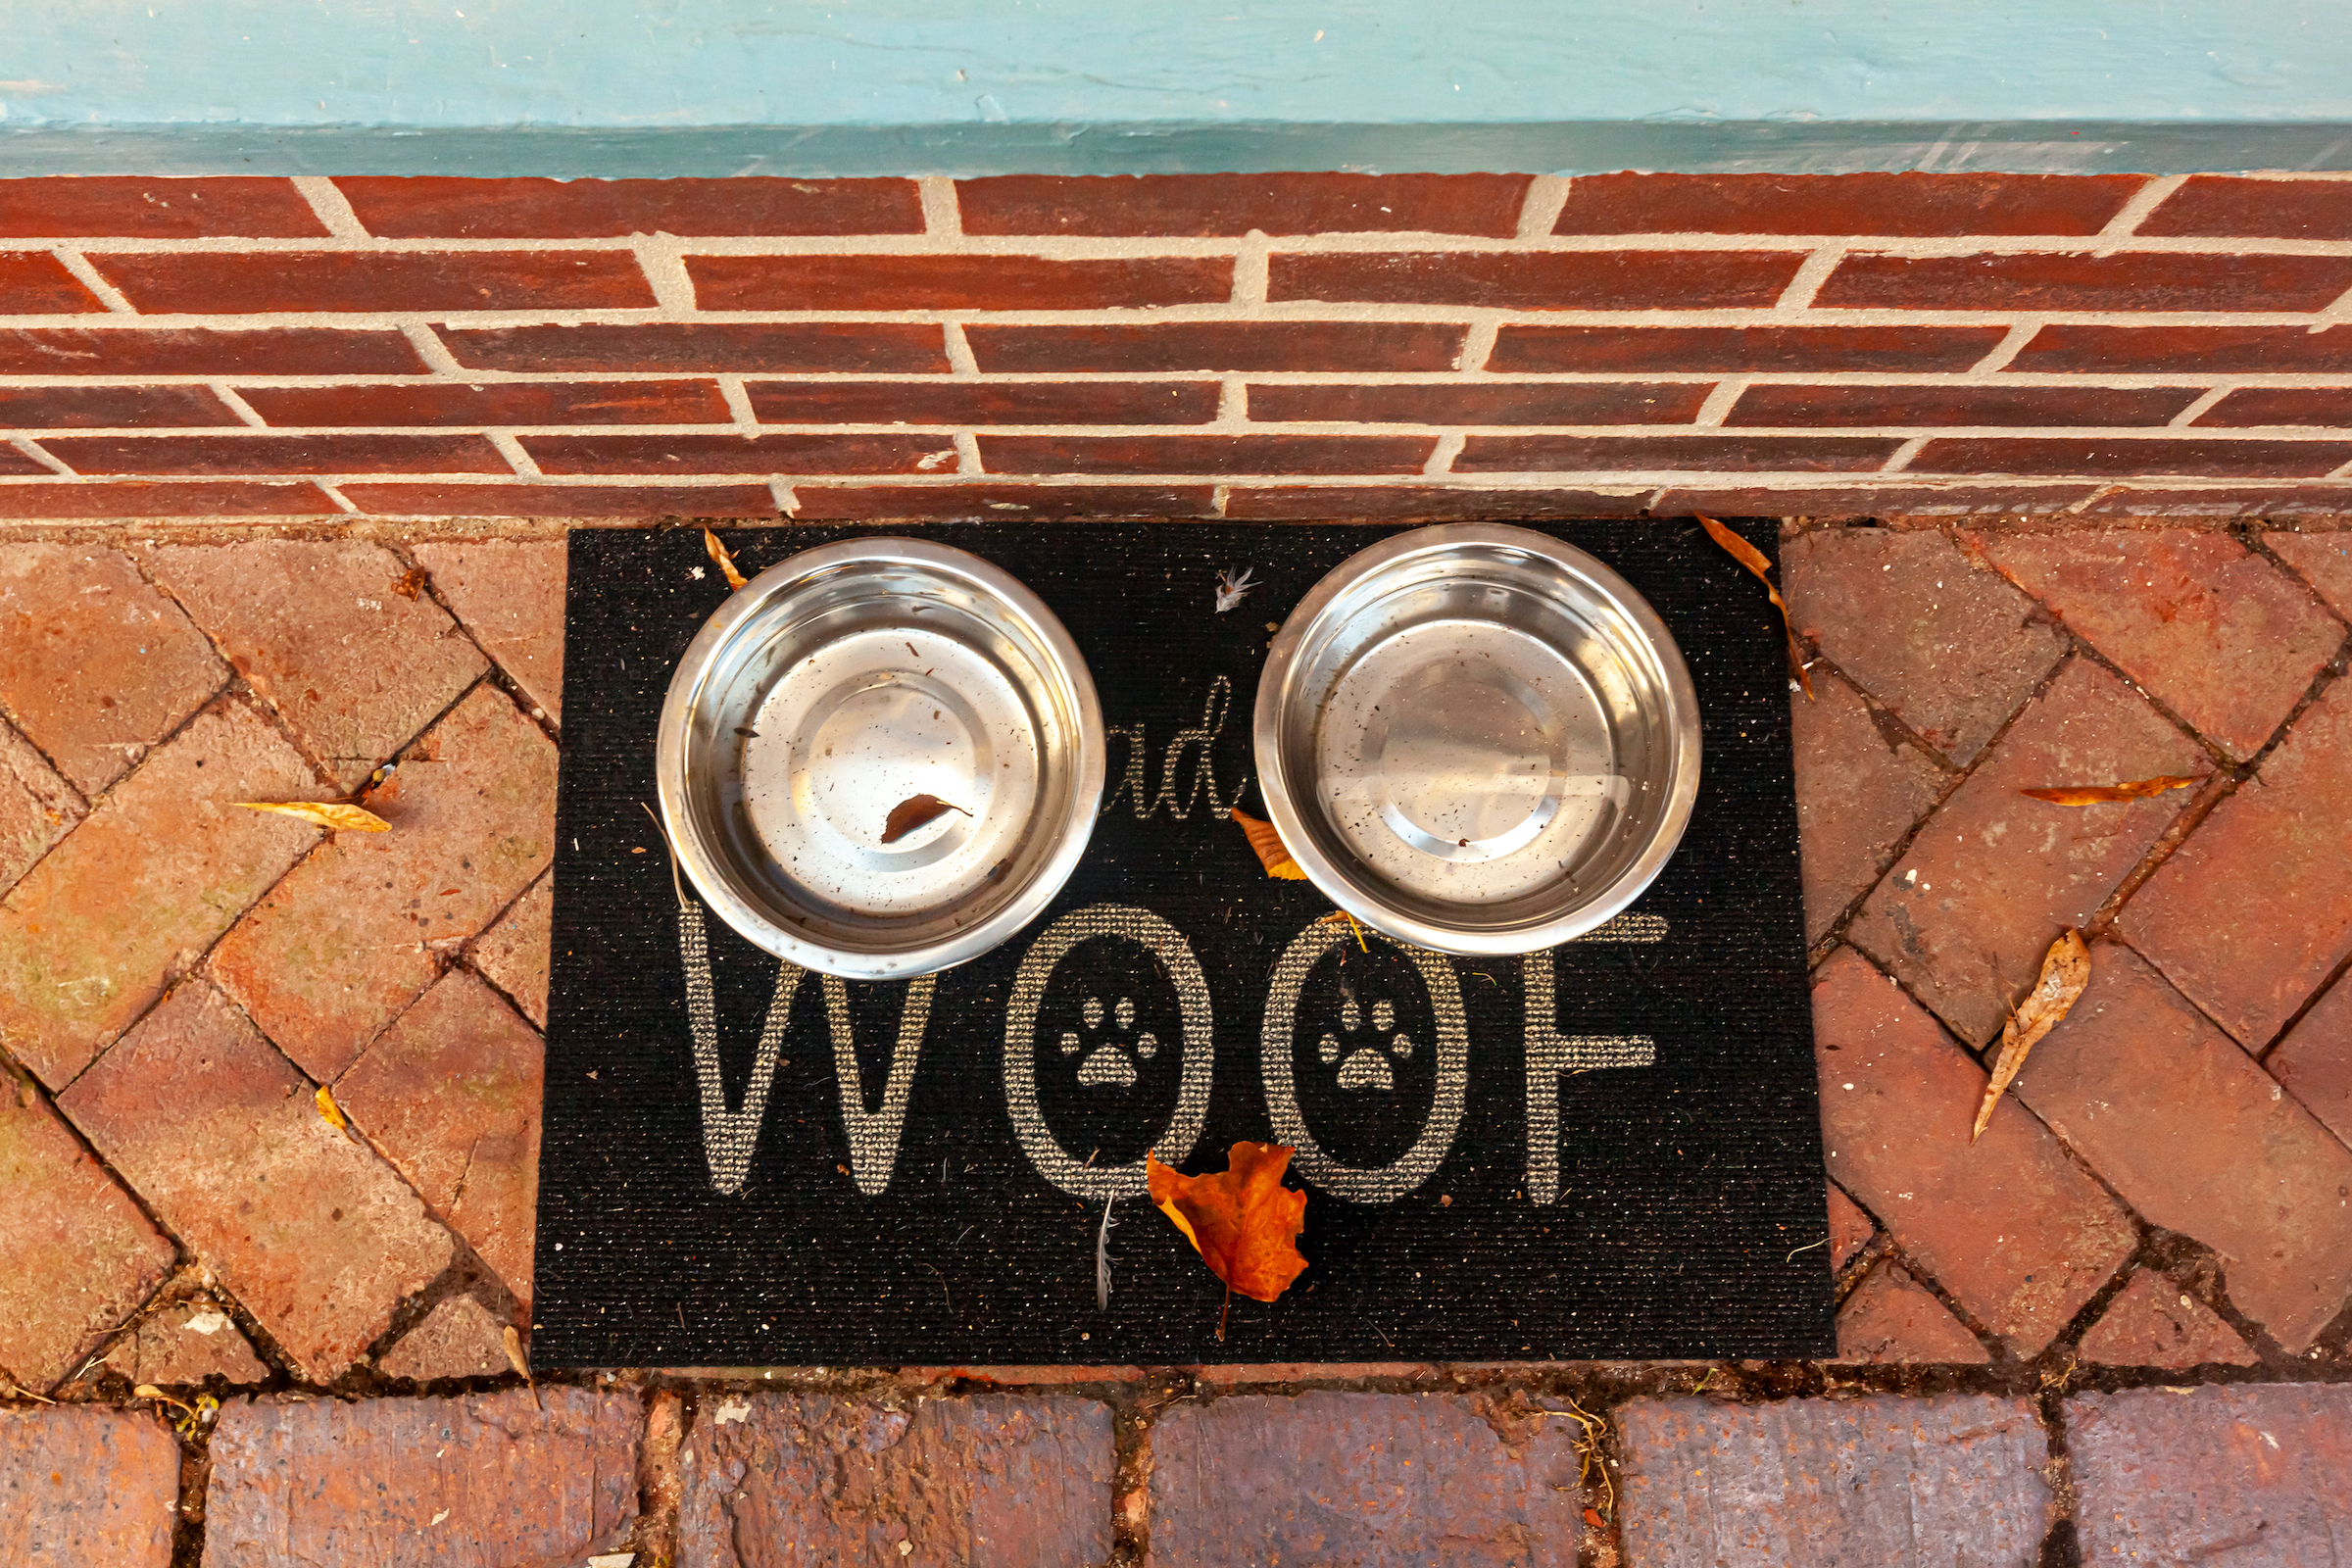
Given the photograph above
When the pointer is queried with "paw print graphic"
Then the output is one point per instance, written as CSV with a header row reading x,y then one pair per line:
x,y
1366,1067
1107,1064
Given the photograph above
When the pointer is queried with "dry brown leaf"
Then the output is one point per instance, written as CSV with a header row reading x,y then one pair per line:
x,y
2140,789
1272,852
915,811
1752,558
1242,1220
514,1344
328,1109
2065,971
724,562
327,815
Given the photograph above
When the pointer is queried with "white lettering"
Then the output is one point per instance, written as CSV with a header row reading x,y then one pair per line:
x,y
874,1135
1386,1183
1056,1164
1200,741
1550,1054
730,1136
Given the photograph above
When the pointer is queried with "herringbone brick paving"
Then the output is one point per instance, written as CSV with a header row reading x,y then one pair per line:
x,y
2165,1198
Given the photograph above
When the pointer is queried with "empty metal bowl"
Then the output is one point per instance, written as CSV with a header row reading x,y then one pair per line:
x,y
833,689
1477,738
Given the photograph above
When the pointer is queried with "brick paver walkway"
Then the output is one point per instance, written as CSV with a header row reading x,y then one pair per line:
x,y
2115,1329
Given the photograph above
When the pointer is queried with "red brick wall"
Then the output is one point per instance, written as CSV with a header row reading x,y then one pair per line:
x,y
1244,346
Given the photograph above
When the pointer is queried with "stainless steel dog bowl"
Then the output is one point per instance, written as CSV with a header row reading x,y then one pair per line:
x,y
842,682
1477,738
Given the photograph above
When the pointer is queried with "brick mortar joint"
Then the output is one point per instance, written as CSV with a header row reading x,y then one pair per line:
x,y
1232,420
2210,385
1293,313
1148,247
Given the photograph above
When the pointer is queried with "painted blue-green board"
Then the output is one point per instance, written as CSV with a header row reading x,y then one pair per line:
x,y
611,87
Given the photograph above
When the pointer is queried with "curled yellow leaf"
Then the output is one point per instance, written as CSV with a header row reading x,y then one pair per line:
x,y
724,562
2138,789
1752,558
348,819
2065,971
331,1112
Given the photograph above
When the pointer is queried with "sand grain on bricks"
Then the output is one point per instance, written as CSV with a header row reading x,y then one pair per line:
x,y
2010,1226
485,1481
1876,1483
2244,1474
312,1233
148,881
774,1480
87,1487
76,1257
338,949
1362,1478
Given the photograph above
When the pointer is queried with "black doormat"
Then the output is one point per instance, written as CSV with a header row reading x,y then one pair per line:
x,y
1597,1208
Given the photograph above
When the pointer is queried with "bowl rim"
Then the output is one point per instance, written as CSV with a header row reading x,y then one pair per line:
x,y
1332,880
692,856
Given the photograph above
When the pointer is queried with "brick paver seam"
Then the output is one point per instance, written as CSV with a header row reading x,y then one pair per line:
x,y
395,543
1880,1244
465,957
465,1274
398,545
235,688
2338,665
2227,777
231,683
239,691
1137,1399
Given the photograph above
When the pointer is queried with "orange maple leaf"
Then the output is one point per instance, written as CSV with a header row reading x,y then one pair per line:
x,y
1242,1220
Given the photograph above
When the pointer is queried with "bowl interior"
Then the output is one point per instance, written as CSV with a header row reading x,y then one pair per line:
x,y
1486,741
824,719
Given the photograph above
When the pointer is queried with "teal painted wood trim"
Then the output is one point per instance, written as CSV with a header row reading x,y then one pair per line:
x,y
589,87
812,151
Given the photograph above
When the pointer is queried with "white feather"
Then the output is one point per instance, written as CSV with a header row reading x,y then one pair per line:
x,y
1102,1258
